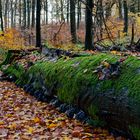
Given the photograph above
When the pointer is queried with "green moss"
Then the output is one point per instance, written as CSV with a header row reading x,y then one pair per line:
x,y
135,131
2,55
75,73
93,110
14,70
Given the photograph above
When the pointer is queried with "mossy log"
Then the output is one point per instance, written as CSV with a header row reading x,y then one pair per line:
x,y
11,54
116,100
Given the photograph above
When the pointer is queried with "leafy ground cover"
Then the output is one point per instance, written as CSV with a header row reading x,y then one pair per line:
x,y
74,81
23,117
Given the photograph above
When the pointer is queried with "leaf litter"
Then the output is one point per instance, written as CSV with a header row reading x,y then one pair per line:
x,y
22,117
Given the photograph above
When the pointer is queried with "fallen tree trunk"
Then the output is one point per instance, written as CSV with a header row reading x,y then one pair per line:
x,y
115,100
11,54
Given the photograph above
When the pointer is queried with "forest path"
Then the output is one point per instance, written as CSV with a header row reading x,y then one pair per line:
x,y
23,117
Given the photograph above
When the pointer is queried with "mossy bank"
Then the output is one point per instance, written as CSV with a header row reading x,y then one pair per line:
x,y
116,100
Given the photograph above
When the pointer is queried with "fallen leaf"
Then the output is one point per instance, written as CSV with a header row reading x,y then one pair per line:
x,y
3,133
12,126
52,125
37,120
30,130
89,134
76,133
66,138
1,123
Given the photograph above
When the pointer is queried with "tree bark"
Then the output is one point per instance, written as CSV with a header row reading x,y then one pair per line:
x,y
20,13
138,5
24,14
89,26
15,12
120,9
1,17
78,14
112,100
125,16
12,14
46,10
68,10
5,14
73,21
33,13
28,9
38,24
62,10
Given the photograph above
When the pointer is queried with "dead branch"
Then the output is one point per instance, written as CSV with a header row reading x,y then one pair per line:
x,y
55,34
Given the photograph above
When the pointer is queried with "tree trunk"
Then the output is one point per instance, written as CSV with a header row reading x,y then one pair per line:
x,y
116,100
24,14
138,5
15,13
20,13
73,21
12,14
133,34
38,25
5,14
28,9
33,13
100,17
78,14
120,9
68,10
62,10
89,26
46,10
125,16
1,17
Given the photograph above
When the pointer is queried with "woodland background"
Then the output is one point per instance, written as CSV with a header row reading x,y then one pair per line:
x,y
64,22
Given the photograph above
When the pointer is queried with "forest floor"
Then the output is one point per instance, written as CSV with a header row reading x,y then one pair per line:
x,y
23,117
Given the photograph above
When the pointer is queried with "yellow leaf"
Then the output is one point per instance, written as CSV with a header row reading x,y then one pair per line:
x,y
61,119
36,120
1,123
113,52
9,115
12,126
11,39
52,125
106,64
17,108
30,130
66,138
89,134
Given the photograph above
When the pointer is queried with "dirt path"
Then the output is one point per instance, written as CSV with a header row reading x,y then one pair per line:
x,y
22,117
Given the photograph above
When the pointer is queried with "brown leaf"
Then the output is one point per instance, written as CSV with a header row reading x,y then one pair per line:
x,y
76,133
